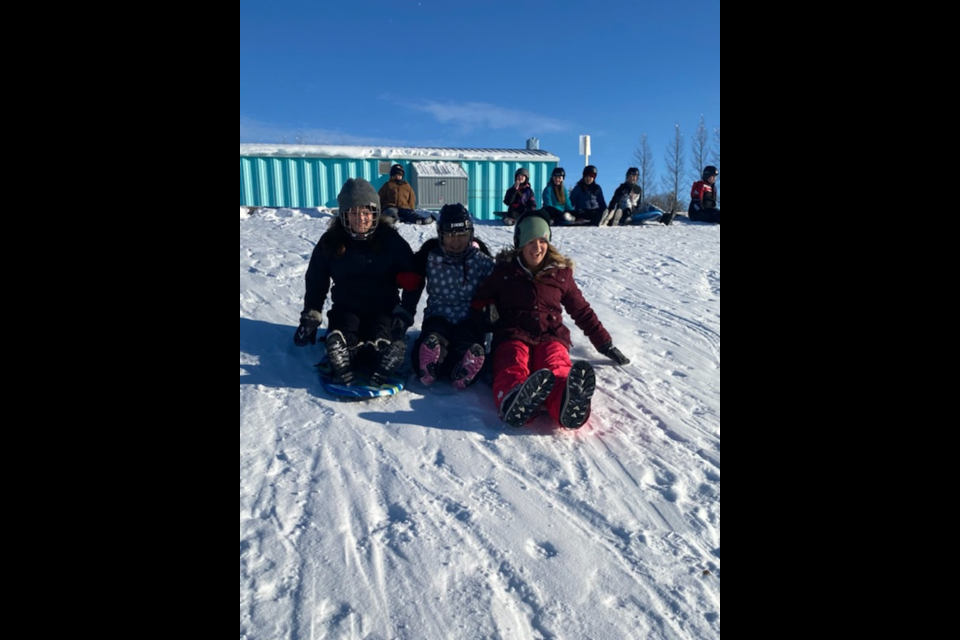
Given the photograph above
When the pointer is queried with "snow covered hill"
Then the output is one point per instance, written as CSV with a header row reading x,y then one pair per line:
x,y
421,516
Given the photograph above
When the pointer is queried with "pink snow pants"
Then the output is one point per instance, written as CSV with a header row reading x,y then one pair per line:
x,y
514,361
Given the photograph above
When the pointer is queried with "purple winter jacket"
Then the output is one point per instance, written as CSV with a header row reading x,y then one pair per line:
x,y
519,202
531,308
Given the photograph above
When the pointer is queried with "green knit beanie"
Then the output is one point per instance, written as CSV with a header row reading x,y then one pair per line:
x,y
531,228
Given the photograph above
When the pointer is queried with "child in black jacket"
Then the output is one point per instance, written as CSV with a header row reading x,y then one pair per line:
x,y
367,263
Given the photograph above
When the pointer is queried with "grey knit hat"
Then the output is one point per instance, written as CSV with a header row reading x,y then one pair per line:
x,y
357,192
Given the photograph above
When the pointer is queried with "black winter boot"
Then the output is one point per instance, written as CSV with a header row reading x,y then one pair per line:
x,y
525,400
578,395
339,356
391,357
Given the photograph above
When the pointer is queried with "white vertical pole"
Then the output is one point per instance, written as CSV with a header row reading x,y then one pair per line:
x,y
585,149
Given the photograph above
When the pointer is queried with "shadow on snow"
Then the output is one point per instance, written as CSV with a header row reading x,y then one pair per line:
x,y
280,364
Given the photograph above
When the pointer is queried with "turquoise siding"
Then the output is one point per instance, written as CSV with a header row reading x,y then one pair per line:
x,y
300,183
489,181
309,182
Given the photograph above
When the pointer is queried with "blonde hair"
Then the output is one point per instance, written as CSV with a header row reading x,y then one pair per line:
x,y
561,193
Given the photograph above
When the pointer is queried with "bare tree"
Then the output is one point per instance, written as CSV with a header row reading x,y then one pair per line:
x,y
716,152
645,163
700,146
662,201
672,179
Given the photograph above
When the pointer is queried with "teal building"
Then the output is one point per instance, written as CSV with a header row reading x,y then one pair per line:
x,y
309,176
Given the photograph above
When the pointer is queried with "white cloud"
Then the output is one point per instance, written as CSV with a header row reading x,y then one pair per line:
x,y
256,132
469,116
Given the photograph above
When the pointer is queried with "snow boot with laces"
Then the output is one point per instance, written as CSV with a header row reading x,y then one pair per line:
x,y
391,357
338,354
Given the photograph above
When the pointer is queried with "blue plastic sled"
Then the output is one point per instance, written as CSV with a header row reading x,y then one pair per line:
x,y
648,216
361,389
648,213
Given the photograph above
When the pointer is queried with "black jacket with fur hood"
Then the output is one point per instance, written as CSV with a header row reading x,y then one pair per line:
x,y
366,274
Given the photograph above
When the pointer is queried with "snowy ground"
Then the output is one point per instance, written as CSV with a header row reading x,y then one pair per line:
x,y
420,516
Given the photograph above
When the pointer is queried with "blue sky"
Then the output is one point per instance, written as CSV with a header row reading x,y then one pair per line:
x,y
489,74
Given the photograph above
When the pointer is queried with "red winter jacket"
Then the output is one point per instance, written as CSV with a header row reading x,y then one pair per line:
x,y
703,195
531,308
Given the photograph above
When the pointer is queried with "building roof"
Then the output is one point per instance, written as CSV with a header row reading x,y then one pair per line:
x,y
393,153
426,169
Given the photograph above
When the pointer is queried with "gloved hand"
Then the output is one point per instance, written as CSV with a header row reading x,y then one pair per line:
x,y
614,354
402,320
307,331
489,316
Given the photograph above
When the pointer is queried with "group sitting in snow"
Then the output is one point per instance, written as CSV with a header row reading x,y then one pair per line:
x,y
586,205
374,281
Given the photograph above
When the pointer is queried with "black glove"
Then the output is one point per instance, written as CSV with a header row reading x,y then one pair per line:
x,y
489,317
615,354
402,320
307,331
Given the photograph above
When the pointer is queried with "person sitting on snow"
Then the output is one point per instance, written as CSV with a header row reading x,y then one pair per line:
x,y
625,205
519,198
703,197
525,298
625,199
556,199
451,342
399,201
587,198
367,262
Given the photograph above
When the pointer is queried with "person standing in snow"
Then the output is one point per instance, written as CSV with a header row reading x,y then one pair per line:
x,y
519,198
367,262
451,342
587,198
703,197
527,293
399,200
556,199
